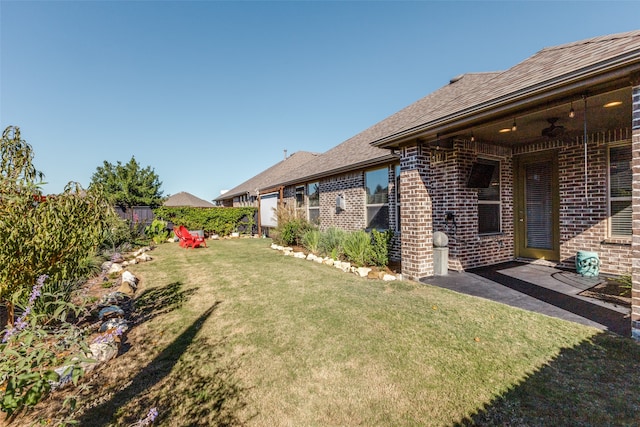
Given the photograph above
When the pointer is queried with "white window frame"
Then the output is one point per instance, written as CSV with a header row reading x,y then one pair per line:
x,y
492,202
611,199
314,209
396,174
376,205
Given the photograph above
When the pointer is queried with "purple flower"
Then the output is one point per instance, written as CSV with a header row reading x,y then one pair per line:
x,y
21,322
110,337
149,419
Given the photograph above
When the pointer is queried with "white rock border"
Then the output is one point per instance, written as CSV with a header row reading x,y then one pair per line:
x,y
364,272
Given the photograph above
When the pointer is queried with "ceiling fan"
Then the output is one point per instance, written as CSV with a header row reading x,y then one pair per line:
x,y
552,131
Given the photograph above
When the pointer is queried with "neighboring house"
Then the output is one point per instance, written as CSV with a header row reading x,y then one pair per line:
x,y
538,162
184,199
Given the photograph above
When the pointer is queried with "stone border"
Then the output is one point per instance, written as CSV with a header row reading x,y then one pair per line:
x,y
340,265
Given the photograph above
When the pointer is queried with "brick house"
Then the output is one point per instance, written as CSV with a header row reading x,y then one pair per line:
x,y
540,161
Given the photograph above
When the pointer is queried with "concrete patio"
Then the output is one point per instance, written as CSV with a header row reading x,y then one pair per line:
x,y
540,288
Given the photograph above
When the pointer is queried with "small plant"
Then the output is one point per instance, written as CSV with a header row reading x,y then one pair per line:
x,y
331,242
625,283
30,354
311,240
380,241
357,247
157,231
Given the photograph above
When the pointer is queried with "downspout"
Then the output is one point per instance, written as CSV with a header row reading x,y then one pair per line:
x,y
586,194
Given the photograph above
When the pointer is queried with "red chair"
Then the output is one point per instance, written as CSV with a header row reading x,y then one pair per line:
x,y
188,240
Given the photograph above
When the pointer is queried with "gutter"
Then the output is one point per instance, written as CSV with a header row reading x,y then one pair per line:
x,y
348,168
593,75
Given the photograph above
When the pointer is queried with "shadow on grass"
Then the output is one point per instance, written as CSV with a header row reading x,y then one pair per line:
x,y
156,301
176,383
593,384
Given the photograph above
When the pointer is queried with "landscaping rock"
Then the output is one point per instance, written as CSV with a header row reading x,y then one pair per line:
x,y
127,289
115,268
110,312
112,298
389,277
103,351
115,323
362,271
143,258
129,278
300,255
328,261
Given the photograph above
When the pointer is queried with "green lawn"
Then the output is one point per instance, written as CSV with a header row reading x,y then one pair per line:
x,y
238,334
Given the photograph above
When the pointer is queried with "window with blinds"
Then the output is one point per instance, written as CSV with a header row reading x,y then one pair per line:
x,y
620,177
539,205
489,204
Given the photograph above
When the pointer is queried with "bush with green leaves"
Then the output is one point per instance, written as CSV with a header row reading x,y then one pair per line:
x,y
30,353
311,240
380,241
216,220
49,235
331,242
157,231
357,247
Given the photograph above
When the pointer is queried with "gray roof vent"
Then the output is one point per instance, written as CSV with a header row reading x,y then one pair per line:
x,y
456,78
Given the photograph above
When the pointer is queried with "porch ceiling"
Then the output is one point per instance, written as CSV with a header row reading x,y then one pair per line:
x,y
530,123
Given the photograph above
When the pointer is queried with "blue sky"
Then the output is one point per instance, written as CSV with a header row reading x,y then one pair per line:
x,y
210,93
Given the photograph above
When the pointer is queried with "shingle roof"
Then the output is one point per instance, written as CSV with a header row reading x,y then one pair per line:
x,y
186,199
357,152
548,66
463,95
272,176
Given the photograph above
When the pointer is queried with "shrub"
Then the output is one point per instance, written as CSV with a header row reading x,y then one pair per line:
x,y
330,243
30,353
380,241
157,231
217,220
291,227
311,240
357,248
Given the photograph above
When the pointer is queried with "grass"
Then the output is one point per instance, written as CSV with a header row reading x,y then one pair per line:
x,y
237,334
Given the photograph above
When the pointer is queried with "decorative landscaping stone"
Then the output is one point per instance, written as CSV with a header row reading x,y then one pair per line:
x,y
65,374
103,351
389,277
128,277
300,255
143,258
362,271
110,312
112,298
127,289
115,323
328,261
115,268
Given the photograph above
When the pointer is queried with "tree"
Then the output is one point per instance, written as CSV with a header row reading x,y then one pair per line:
x,y
128,185
42,235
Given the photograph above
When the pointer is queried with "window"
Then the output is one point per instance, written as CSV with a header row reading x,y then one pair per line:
x,y
489,205
300,197
313,195
397,191
620,191
377,188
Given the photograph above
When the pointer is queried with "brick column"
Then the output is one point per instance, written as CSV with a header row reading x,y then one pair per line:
x,y
415,212
635,163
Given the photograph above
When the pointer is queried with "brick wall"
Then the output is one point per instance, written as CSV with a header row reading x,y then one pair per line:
x,y
449,173
416,210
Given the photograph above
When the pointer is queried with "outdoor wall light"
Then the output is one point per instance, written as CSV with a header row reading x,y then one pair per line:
x,y
514,127
572,112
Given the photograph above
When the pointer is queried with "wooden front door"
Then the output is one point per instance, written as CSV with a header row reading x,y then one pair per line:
x,y
537,207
